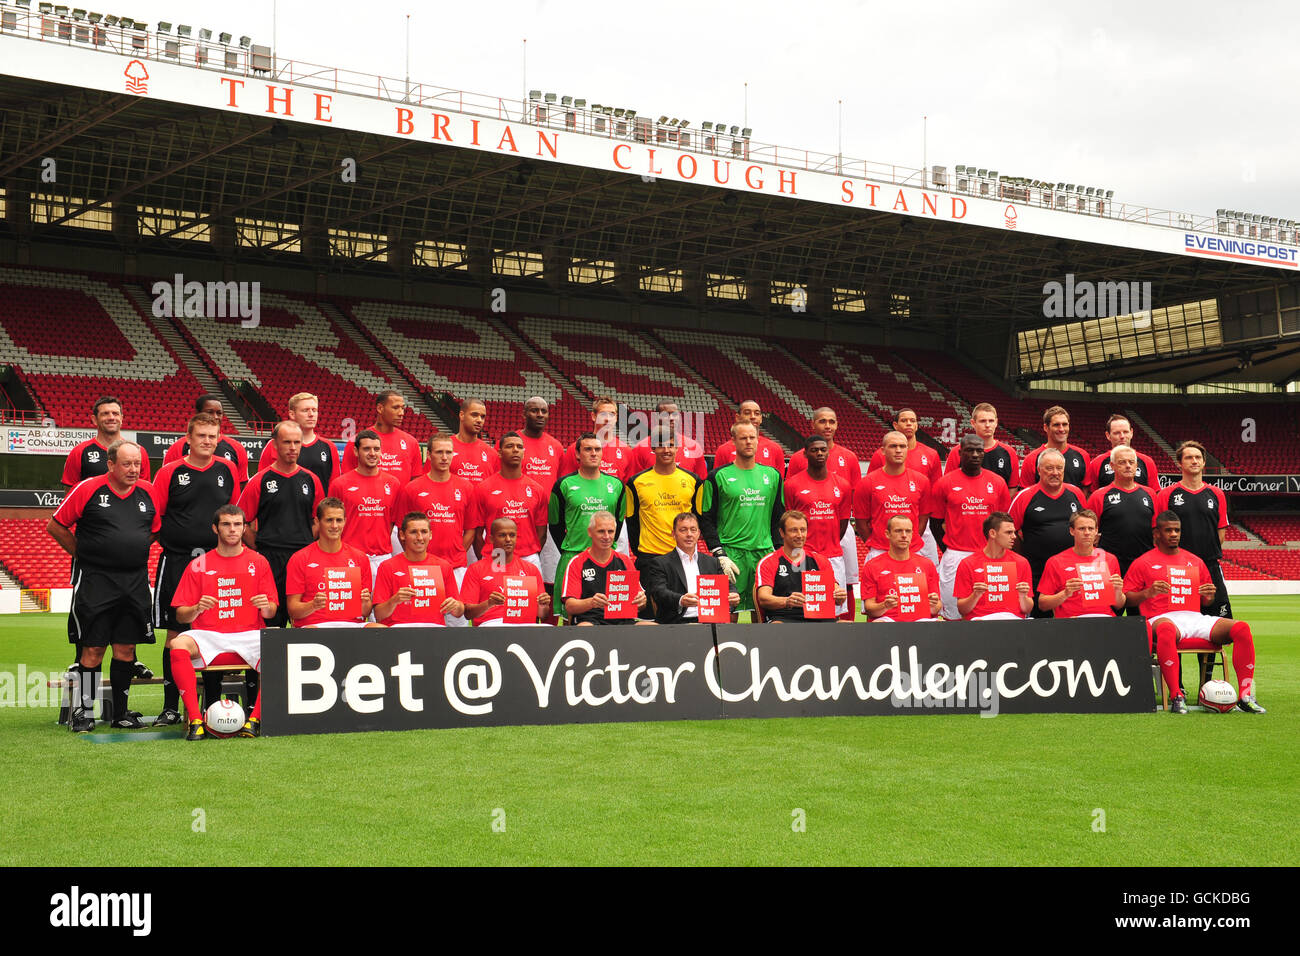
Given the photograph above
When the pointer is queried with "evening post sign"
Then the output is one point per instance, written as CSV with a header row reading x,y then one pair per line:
x,y
339,680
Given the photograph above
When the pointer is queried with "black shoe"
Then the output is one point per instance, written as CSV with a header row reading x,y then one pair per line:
x,y
80,722
168,718
141,672
1178,704
131,721
1250,706
197,731
251,728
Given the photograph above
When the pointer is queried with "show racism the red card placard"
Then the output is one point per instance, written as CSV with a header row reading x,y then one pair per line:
x,y
818,595
1184,588
713,591
342,587
521,599
912,604
429,588
1097,593
621,588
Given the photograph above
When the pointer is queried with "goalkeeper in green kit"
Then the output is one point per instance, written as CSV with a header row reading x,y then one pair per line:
x,y
739,506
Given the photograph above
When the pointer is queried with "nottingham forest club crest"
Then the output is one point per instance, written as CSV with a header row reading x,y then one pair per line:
x,y
252,569
142,508
221,481
989,486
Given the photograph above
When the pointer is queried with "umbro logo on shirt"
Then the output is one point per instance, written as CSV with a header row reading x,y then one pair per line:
x,y
1040,508
313,564
353,488
497,492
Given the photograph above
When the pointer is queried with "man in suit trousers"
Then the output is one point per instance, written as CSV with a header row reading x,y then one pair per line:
x,y
670,579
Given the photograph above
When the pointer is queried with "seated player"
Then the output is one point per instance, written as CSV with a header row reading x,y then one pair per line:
x,y
993,584
1083,581
899,585
307,578
402,597
484,589
585,590
1170,586
225,595
779,576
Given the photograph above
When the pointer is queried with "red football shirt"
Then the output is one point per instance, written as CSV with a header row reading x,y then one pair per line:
x,y
1155,566
841,462
522,500
769,453
474,460
306,573
395,574
1002,575
399,455
369,504
911,581
922,458
542,459
1094,571
826,503
962,503
447,505
233,581
482,578
880,496
690,457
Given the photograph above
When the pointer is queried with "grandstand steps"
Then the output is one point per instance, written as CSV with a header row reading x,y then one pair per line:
x,y
784,435
196,366
1137,421
362,341
7,580
1252,540
562,381
31,603
835,389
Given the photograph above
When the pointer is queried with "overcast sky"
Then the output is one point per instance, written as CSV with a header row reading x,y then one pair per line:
x,y
1188,106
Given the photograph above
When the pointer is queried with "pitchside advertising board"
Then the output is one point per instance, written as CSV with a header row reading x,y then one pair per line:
x,y
60,441
327,680
764,170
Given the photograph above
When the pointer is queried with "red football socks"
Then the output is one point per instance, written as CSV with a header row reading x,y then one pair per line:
x,y
183,675
1243,657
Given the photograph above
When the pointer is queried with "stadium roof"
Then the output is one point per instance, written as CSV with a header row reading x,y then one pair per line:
x,y
216,144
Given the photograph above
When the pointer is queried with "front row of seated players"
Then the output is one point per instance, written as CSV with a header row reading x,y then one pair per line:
x,y
780,587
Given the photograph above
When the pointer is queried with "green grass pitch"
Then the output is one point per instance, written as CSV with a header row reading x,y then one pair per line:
x,y
910,790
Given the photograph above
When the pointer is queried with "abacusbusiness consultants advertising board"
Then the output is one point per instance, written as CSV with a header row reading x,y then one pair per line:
x,y
337,680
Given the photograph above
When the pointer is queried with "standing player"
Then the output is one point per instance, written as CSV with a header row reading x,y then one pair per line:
x,y
959,504
232,450
230,635
900,585
280,502
586,588
893,489
999,457
779,575
306,579
509,493
484,594
400,598
114,517
1125,512
655,497
318,455
993,584
399,453
473,459
616,457
1042,514
89,459
187,493
447,502
1119,431
369,499
690,454
1083,581
769,452
826,500
920,456
739,507
574,499
844,463
1056,426
1171,586
542,454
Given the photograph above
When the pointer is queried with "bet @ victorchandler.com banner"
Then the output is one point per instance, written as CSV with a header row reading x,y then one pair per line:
x,y
326,680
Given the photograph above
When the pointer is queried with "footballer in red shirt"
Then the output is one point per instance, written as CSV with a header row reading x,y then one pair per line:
x,y
959,503
399,452
370,499
446,501
920,456
473,459
892,490
511,494
1171,587
995,583
690,454
769,452
318,583
1083,581
826,500
417,588
542,452
484,588
899,585
615,457
226,596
